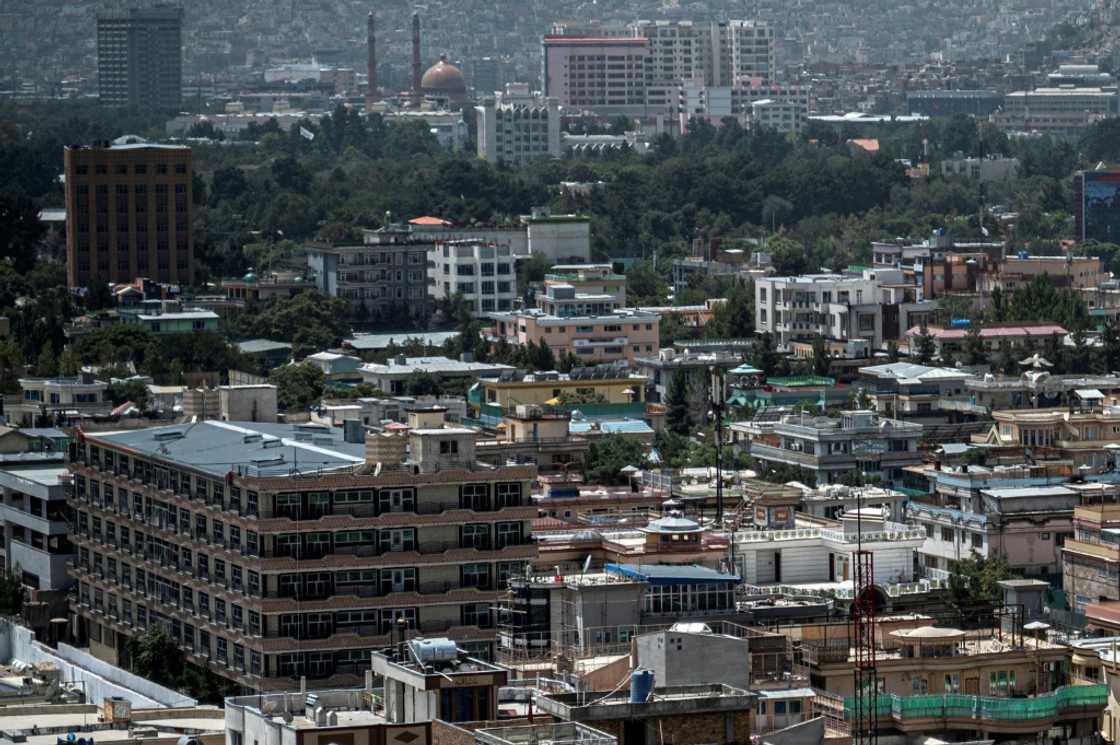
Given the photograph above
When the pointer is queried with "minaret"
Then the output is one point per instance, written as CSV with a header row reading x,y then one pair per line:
x,y
371,62
416,58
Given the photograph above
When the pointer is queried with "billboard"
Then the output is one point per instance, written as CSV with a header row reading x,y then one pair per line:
x,y
1100,195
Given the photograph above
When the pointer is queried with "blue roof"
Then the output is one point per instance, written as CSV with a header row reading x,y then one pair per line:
x,y
612,427
667,574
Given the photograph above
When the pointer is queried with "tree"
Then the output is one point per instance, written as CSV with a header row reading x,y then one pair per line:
x,y
974,352
290,175
130,390
156,656
11,594
298,386
763,355
608,455
68,363
924,346
423,384
155,364
975,581
1007,363
677,417
46,365
892,351
822,360
11,363
20,231
98,296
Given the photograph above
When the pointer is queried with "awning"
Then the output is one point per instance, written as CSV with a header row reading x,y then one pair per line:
x,y
1088,393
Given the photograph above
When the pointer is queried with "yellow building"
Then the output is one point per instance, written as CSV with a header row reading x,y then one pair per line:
x,y
540,390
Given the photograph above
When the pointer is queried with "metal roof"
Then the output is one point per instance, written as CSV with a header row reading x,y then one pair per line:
x,y
253,448
383,341
1012,492
256,346
663,574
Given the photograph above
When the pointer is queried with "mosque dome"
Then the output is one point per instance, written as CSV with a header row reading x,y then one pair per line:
x,y
444,78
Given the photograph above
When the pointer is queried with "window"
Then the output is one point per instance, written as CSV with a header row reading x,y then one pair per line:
x,y
448,447
475,575
1001,682
1043,536
474,497
475,535
509,534
919,685
953,683
947,535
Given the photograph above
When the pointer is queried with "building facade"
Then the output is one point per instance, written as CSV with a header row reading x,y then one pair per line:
x,y
387,273
128,207
140,58
829,305
275,552
484,274
602,74
515,133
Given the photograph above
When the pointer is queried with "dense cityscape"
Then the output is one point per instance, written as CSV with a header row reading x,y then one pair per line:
x,y
611,373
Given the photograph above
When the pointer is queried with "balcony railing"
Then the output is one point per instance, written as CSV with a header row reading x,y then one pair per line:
x,y
954,706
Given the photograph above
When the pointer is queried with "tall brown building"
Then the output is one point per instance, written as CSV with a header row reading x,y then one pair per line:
x,y
128,212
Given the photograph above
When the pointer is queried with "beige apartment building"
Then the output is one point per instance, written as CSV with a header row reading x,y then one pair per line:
x,y
606,74
276,552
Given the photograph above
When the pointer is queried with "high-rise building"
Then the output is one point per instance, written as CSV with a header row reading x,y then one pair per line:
x,y
607,74
140,58
274,552
516,133
128,208
726,53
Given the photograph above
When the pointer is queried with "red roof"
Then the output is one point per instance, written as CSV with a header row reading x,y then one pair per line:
x,y
549,523
429,220
870,145
991,332
1107,612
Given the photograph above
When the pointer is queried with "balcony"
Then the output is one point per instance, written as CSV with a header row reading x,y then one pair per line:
x,y
992,714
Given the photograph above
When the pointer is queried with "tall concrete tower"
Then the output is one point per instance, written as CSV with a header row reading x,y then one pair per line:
x,y
416,57
371,62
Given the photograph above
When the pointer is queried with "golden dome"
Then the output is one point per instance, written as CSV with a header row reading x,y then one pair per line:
x,y
443,77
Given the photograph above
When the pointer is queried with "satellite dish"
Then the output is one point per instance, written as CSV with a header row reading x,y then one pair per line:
x,y
377,469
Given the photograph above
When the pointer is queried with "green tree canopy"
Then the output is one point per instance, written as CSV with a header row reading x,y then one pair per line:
x,y
298,386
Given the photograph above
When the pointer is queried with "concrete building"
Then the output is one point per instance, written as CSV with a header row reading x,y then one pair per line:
x,y
378,411
945,103
393,376
42,401
186,321
514,133
484,274
140,58
903,389
1001,684
603,74
697,368
204,530
592,327
985,170
1091,557
36,543
830,305
951,341
335,366
429,679
559,239
1061,271
387,272
128,208
1063,111
826,448
718,53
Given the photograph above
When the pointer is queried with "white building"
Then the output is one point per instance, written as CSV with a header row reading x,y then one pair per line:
x,y
718,53
834,306
516,133
483,273
35,525
559,239
1062,111
981,169
812,554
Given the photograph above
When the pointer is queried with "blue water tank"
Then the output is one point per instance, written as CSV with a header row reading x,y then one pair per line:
x,y
1024,254
641,684
960,323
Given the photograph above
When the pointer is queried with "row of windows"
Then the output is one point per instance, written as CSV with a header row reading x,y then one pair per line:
x,y
123,169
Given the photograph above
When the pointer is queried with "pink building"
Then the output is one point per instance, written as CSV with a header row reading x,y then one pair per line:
x,y
593,327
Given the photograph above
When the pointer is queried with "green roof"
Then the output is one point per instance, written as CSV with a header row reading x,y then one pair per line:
x,y
801,381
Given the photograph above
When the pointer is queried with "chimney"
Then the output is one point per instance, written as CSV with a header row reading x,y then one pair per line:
x,y
416,57
371,62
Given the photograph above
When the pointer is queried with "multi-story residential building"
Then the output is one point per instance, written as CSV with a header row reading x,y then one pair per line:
x,y
1063,111
697,368
589,279
273,553
1091,557
595,327
516,133
1061,271
140,58
484,274
830,305
827,448
556,238
1086,435
603,390
1025,524
719,53
255,288
186,321
1037,389
41,401
1096,205
36,541
387,272
981,169
128,207
904,389
931,679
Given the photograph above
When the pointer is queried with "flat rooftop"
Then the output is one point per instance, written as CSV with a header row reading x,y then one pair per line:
x,y
42,475
252,447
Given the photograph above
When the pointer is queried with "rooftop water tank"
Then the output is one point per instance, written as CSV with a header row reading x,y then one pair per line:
x,y
429,651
